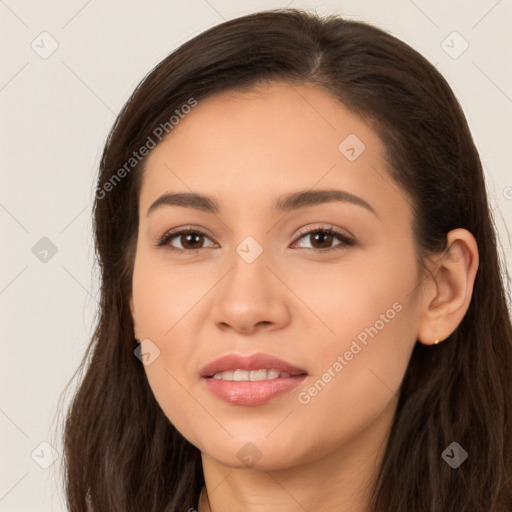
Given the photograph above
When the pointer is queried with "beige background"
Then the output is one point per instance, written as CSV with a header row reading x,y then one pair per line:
x,y
56,112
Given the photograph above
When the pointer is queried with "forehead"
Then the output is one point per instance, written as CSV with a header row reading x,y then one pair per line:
x,y
268,118
267,142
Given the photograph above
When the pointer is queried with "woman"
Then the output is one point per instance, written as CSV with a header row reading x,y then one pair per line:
x,y
302,306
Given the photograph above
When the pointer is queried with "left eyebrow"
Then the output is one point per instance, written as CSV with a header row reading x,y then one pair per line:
x,y
289,202
306,198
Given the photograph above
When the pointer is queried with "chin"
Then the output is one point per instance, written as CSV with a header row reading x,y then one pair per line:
x,y
258,452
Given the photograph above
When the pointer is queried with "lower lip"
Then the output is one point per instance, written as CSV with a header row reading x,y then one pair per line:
x,y
252,393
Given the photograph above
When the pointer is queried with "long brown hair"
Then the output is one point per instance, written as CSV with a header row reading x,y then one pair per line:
x,y
121,451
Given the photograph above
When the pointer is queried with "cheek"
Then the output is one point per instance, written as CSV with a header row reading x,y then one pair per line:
x,y
367,300
365,290
358,373
171,389
164,300
164,296
371,315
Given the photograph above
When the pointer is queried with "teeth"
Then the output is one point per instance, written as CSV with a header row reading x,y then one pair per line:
x,y
259,375
251,376
239,375
273,374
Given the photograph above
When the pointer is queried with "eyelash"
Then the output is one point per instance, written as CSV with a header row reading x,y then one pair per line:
x,y
346,241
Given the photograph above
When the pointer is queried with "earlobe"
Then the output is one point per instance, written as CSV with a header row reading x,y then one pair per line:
x,y
450,289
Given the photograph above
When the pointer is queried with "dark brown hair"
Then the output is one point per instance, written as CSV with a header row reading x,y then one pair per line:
x,y
121,451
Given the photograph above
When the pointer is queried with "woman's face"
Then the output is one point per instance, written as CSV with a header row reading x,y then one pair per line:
x,y
259,278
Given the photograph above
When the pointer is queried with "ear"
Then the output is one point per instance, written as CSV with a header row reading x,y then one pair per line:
x,y
449,288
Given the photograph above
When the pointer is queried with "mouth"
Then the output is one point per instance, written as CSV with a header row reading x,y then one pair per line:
x,y
243,367
252,375
250,380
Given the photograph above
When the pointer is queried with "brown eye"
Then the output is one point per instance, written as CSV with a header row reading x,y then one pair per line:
x,y
322,239
188,239
191,240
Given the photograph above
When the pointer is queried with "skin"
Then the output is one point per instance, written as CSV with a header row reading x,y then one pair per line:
x,y
295,302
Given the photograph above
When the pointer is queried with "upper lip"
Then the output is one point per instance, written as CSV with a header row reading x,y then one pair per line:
x,y
252,362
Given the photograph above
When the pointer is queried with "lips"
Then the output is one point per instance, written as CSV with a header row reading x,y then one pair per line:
x,y
250,380
253,363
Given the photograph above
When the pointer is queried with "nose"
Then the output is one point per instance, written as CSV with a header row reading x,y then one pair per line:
x,y
251,297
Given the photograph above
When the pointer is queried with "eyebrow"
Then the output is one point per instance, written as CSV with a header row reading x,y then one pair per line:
x,y
287,203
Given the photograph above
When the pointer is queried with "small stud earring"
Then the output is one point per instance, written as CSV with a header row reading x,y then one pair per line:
x,y
436,342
